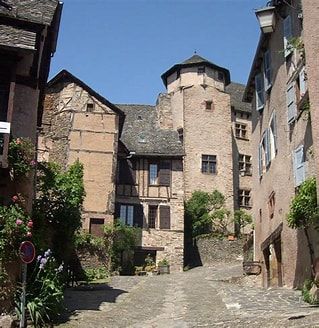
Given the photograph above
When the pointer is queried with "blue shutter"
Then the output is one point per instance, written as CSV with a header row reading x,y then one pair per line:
x,y
287,35
291,103
259,86
299,166
267,70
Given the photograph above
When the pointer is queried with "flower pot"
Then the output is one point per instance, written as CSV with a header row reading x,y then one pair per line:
x,y
163,269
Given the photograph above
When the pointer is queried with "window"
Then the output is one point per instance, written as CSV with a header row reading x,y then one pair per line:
x,y
96,227
299,166
301,84
209,164
241,130
200,70
127,214
208,105
271,205
220,76
160,173
153,174
4,94
259,87
267,70
264,153
165,217
291,102
244,198
178,74
90,107
287,35
273,136
245,164
152,216
180,132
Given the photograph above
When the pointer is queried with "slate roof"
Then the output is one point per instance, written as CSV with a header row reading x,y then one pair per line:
x,y
14,37
34,11
195,60
236,91
142,134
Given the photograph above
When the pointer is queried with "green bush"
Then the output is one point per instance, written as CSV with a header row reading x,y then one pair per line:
x,y
96,273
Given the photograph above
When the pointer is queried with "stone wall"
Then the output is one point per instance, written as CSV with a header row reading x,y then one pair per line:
x,y
71,132
212,250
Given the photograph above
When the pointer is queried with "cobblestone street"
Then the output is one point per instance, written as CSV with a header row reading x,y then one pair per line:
x,y
213,296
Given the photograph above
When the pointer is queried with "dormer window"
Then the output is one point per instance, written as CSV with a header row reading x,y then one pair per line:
x,y
220,76
201,70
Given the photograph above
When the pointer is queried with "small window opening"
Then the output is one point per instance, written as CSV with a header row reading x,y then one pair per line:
x,y
200,70
209,105
220,76
90,107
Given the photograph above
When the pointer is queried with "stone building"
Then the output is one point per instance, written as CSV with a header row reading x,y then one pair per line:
x,y
78,123
214,127
282,144
150,186
28,36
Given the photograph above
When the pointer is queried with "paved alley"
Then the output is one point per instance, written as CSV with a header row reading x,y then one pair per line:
x,y
215,296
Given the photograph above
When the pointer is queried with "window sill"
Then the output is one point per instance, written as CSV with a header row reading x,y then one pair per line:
x,y
247,207
240,138
207,173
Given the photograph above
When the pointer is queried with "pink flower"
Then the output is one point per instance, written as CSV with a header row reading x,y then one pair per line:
x,y
29,234
15,198
30,224
33,163
18,141
19,222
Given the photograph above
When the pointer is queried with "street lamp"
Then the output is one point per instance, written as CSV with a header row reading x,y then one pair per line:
x,y
266,18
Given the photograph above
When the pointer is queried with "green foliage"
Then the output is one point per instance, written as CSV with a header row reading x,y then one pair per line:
x,y
58,207
15,226
84,239
119,238
44,294
305,291
242,218
163,262
92,274
304,211
207,212
21,156
296,43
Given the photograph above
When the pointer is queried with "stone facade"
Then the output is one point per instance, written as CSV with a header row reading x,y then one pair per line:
x,y
282,149
206,109
79,125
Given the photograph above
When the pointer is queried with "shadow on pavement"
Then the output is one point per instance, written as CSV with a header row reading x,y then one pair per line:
x,y
88,297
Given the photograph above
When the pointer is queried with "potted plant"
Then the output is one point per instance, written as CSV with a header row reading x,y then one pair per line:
x,y
163,266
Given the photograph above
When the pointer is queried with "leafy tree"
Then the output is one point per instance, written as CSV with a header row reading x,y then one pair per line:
x,y
304,211
57,208
242,219
207,212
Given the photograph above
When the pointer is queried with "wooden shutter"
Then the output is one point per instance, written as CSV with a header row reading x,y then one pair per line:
x,y
267,70
165,173
138,216
287,35
96,227
302,82
299,166
259,86
291,103
260,160
165,217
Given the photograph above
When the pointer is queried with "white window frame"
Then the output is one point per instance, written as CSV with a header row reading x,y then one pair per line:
x,y
299,166
303,86
273,136
153,174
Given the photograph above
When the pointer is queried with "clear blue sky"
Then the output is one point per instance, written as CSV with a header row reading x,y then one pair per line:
x,y
120,48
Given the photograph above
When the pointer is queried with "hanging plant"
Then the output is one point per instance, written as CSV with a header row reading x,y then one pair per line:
x,y
21,156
